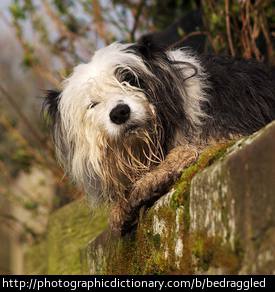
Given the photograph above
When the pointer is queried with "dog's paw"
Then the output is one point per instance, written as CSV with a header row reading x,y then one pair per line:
x,y
149,188
144,193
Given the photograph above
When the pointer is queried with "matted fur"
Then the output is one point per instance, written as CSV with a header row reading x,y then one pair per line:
x,y
175,98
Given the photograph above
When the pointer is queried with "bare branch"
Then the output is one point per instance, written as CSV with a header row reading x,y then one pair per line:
x,y
57,21
228,29
136,19
99,22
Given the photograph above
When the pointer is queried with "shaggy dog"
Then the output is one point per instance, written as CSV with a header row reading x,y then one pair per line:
x,y
126,123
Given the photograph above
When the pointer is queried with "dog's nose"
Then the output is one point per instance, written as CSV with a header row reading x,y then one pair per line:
x,y
120,114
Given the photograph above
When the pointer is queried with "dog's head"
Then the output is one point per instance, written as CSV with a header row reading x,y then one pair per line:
x,y
118,115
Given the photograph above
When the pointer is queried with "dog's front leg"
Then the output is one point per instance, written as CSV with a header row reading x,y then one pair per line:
x,y
150,187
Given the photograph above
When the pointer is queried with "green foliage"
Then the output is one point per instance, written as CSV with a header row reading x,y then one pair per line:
x,y
31,205
40,26
21,159
17,10
63,5
29,57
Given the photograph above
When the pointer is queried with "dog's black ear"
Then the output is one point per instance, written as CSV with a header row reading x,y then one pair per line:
x,y
50,104
148,47
147,41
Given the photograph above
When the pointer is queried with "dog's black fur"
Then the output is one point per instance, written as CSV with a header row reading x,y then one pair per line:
x,y
241,96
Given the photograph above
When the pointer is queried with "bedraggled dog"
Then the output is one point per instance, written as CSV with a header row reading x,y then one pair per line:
x,y
126,123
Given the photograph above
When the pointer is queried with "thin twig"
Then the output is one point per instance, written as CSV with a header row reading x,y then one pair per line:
x,y
191,34
263,24
228,29
58,22
136,19
99,21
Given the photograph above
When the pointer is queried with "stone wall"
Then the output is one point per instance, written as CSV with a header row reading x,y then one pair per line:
x,y
218,218
63,251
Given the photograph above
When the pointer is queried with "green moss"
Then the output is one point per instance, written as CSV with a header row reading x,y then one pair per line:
x,y
212,252
35,259
149,254
207,157
121,258
139,253
70,230
203,249
186,218
156,241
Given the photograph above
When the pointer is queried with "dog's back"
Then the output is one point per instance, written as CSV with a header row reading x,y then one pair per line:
x,y
241,96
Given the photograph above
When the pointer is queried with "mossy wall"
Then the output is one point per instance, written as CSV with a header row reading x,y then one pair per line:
x,y
218,218
63,251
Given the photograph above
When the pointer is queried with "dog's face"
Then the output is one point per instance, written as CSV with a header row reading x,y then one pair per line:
x,y
118,115
104,95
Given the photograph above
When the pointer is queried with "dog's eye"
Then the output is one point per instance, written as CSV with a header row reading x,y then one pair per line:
x,y
92,104
130,78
